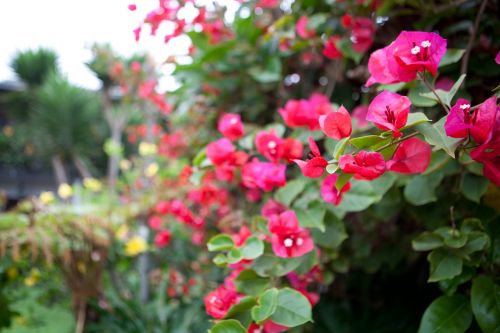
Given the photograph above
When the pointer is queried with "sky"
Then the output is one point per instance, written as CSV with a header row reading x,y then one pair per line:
x,y
70,27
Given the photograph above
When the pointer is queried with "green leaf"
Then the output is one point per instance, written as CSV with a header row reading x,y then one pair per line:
x,y
202,154
343,179
248,282
365,141
332,168
228,326
415,118
477,241
293,308
444,265
447,314
288,193
313,216
474,187
427,241
451,56
220,259
220,242
395,87
340,148
269,74
334,235
244,305
270,265
235,255
267,304
485,301
420,189
436,136
253,248
420,96
445,96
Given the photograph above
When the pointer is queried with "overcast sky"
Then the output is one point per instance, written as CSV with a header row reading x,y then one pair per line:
x,y
70,27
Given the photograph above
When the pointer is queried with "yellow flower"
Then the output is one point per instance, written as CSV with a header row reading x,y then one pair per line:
x,y
47,197
122,232
92,184
146,148
33,278
65,191
135,246
151,170
125,165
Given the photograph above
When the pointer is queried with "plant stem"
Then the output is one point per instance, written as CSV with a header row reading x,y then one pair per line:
x,y
470,44
397,141
431,88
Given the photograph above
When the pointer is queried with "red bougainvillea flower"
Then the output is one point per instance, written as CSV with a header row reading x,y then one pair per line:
x,y
305,113
478,123
444,83
301,283
411,156
132,7
329,192
137,33
301,28
263,175
389,111
336,125
362,32
219,151
359,113
269,145
155,222
364,165
314,167
410,53
288,238
330,50
241,237
230,126
219,301
271,208
489,153
162,239
497,58
162,207
292,149
267,327
267,3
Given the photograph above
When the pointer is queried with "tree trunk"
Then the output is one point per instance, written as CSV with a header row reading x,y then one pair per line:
x,y
59,171
114,159
82,167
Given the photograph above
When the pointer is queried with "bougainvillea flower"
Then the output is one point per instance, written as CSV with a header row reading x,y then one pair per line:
x,y
444,83
269,145
314,167
137,33
478,123
241,237
410,53
329,192
219,151
319,105
362,32
302,30
271,208
336,125
489,153
155,222
302,282
219,301
411,156
263,175
132,7
288,238
497,58
162,207
267,327
296,113
364,165
330,50
267,3
292,149
389,111
162,239
359,113
230,126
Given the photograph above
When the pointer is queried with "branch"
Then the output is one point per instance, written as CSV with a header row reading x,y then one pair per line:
x,y
470,44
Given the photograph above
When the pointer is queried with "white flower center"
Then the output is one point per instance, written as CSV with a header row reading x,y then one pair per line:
x,y
299,241
288,242
465,106
415,50
271,145
425,44
213,299
233,121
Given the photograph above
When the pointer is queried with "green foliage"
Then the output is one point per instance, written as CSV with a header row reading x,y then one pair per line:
x,y
33,67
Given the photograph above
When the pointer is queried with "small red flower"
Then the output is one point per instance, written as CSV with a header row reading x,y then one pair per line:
x,y
263,175
219,301
219,151
292,149
497,58
269,145
389,111
162,239
330,50
162,207
230,126
411,156
364,165
336,125
329,192
132,7
267,327
315,166
271,208
288,239
302,30
155,222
